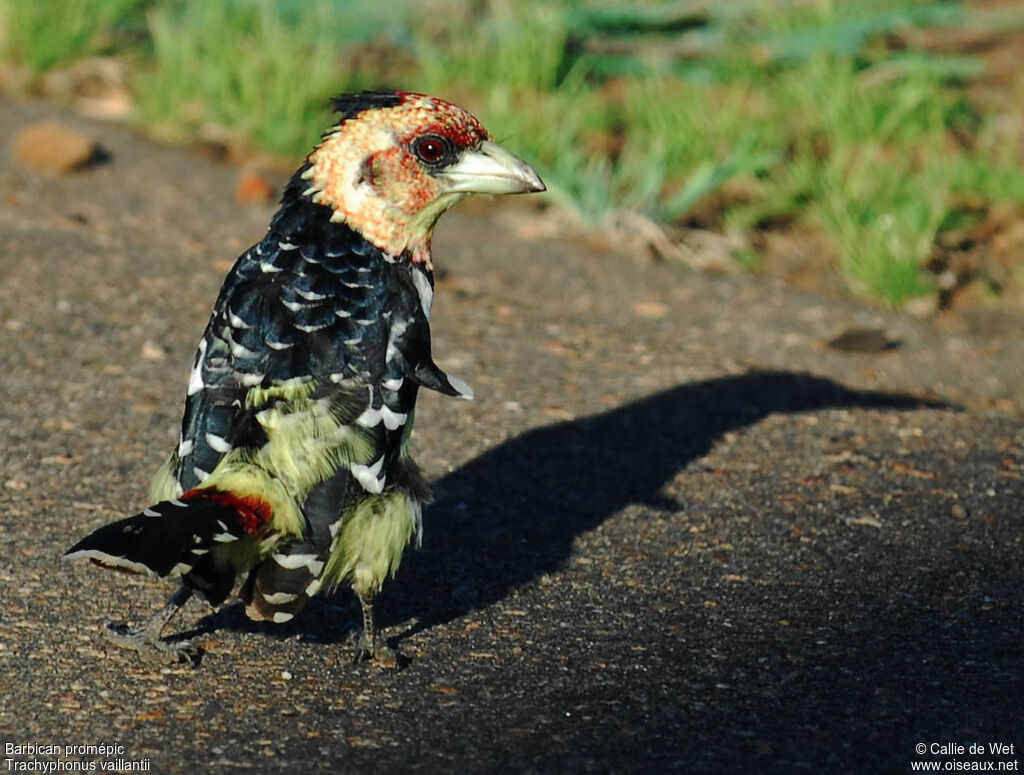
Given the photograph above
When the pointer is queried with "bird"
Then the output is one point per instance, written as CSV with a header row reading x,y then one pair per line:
x,y
293,471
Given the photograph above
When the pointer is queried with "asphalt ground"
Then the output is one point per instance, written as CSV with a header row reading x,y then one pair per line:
x,y
675,531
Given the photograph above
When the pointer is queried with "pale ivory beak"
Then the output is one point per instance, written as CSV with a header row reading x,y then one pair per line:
x,y
490,169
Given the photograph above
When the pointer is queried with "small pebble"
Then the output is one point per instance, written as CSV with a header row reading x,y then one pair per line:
x,y
863,340
53,147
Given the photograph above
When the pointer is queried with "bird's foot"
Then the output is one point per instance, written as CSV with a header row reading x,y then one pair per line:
x,y
373,648
153,649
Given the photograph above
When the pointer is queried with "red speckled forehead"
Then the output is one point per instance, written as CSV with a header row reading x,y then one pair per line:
x,y
419,114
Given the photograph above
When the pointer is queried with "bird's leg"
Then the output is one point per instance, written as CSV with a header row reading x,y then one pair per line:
x,y
370,644
146,639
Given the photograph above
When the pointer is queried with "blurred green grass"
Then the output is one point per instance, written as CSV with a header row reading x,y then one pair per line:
x,y
813,113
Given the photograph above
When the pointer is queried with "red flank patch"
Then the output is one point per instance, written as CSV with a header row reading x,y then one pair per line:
x,y
253,512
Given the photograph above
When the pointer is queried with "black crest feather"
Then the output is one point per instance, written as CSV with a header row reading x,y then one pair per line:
x,y
351,105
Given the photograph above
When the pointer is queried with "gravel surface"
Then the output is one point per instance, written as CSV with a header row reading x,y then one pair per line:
x,y
675,532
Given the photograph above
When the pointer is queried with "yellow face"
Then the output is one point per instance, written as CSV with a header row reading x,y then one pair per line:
x,y
378,170
391,172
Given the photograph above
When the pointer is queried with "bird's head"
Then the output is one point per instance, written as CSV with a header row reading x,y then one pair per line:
x,y
396,161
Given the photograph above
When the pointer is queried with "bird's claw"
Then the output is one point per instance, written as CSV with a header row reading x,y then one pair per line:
x,y
154,651
373,649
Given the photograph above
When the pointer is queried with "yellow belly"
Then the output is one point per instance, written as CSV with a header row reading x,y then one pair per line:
x,y
370,540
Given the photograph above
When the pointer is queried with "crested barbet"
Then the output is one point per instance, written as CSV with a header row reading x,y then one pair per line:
x,y
293,470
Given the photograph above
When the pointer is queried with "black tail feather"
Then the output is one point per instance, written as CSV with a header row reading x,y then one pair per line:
x,y
173,536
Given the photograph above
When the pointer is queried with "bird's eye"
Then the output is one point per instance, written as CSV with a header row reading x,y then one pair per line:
x,y
432,149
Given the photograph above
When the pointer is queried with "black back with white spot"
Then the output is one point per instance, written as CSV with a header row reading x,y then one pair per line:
x,y
312,300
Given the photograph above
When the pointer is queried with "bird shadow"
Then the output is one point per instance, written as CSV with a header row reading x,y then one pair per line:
x,y
511,514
